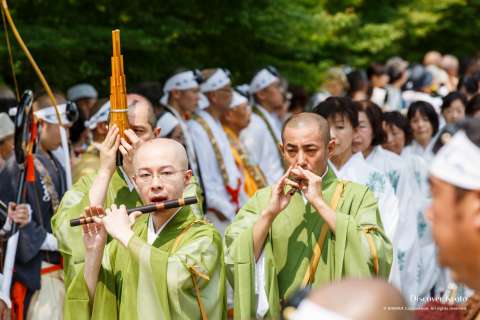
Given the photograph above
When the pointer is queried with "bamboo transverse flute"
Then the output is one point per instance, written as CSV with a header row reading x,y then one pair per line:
x,y
169,204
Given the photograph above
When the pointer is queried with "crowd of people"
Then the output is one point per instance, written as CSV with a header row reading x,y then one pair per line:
x,y
368,188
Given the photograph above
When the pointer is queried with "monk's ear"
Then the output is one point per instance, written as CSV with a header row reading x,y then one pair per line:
x,y
188,177
331,148
280,148
156,132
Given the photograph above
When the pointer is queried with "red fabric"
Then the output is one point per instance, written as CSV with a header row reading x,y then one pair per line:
x,y
234,193
30,168
19,292
33,131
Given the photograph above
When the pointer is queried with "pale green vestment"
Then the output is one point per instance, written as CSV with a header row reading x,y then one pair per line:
x,y
155,281
73,204
290,242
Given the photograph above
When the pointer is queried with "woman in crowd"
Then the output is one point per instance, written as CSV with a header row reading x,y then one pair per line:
x,y
424,123
453,107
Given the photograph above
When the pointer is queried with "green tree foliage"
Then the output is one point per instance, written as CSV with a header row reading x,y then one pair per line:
x,y
71,39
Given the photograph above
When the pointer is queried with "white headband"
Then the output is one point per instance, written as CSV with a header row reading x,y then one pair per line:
x,y
261,80
237,99
458,163
308,310
100,116
180,81
49,115
218,80
167,123
203,102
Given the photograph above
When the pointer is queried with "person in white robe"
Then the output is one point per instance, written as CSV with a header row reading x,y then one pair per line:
x,y
419,272
223,182
342,116
424,122
180,98
262,136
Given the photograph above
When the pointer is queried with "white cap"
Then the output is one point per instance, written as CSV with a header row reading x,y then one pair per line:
x,y
203,102
181,81
218,80
100,116
49,115
167,122
457,163
82,90
7,128
237,99
261,80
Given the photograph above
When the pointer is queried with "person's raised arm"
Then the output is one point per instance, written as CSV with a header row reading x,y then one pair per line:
x,y
108,152
279,200
94,239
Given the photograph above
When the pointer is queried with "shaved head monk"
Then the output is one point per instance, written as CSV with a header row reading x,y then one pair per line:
x,y
161,265
306,230
354,299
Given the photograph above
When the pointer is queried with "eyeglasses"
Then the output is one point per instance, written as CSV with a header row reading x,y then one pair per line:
x,y
164,176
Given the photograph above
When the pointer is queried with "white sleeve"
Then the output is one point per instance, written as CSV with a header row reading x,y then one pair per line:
x,y
216,195
262,306
389,211
50,243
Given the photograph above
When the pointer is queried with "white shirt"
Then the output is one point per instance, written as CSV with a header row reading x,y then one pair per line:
x,y
216,193
151,233
261,146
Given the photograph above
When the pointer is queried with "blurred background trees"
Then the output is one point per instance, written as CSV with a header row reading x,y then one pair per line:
x,y
71,39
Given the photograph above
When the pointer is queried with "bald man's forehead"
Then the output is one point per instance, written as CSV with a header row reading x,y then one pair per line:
x,y
155,153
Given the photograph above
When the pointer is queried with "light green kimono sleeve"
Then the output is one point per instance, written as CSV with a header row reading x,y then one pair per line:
x,y
240,259
70,240
72,206
361,246
78,304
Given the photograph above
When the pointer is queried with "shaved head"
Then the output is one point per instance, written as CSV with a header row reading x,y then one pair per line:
x,y
161,171
308,120
362,299
135,102
168,151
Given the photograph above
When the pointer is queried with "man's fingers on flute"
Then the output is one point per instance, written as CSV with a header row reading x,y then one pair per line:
x,y
88,214
292,183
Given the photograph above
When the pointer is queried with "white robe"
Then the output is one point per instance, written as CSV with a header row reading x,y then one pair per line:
x,y
262,147
417,253
415,249
216,194
415,148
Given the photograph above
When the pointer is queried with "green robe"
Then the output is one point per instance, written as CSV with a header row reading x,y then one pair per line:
x,y
155,282
290,242
73,204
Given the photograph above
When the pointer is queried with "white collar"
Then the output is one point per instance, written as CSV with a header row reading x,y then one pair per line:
x,y
355,160
152,235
